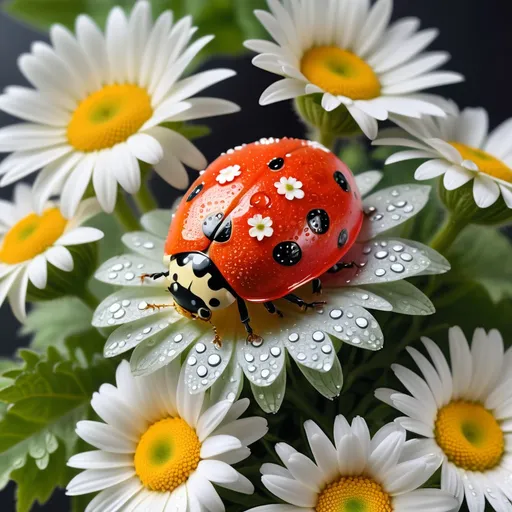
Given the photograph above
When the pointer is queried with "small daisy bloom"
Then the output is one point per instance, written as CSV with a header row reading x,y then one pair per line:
x,y
228,174
98,104
459,148
356,473
29,241
290,188
312,339
160,448
464,414
261,227
351,55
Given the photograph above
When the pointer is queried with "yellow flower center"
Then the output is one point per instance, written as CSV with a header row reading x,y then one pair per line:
x,y
469,435
340,72
487,163
109,116
167,454
31,236
354,494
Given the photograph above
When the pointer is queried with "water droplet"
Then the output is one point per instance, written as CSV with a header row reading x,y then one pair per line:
x,y
398,268
251,369
115,307
380,272
119,314
318,336
147,330
356,341
214,360
149,245
202,371
381,255
365,296
395,217
395,193
231,396
260,200
338,328
398,248
406,257
249,357
400,204
301,356
275,351
178,338
390,208
129,276
409,208
142,305
191,361
264,357
367,250
378,217
335,314
326,349
126,303
265,374
362,322
200,348
112,275
294,337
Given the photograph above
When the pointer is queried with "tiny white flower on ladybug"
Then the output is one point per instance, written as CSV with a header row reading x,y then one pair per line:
x,y
291,188
228,174
261,227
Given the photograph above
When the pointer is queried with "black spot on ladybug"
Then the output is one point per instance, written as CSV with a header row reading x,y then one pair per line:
x,y
175,277
318,221
195,192
340,179
224,232
214,303
276,164
342,238
211,224
287,253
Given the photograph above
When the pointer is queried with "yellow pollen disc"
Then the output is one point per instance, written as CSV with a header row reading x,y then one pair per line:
x,y
167,454
109,116
487,163
31,236
469,435
340,72
354,494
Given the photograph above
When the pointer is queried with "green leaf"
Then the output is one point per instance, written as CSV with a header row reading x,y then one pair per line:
x,y
483,255
49,322
46,399
189,130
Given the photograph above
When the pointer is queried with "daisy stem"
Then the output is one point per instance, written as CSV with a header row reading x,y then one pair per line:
x,y
124,214
88,298
145,199
448,233
327,139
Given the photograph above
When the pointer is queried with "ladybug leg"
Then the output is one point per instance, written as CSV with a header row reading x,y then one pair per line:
x,y
156,276
271,308
244,317
342,266
317,286
294,299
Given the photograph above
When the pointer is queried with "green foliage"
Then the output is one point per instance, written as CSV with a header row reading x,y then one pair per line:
x,y
483,255
189,130
46,397
231,21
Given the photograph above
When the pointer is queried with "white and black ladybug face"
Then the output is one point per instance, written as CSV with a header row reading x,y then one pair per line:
x,y
197,286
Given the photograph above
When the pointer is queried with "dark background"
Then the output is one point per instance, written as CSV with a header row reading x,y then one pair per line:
x,y
476,33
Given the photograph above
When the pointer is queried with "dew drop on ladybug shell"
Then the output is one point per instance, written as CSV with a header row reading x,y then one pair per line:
x,y
260,200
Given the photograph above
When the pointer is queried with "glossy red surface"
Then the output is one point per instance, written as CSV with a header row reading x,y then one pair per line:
x,y
248,264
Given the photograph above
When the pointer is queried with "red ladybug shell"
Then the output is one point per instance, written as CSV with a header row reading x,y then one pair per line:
x,y
311,231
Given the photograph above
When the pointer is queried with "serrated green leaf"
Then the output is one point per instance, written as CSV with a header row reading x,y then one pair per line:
x,y
483,255
45,401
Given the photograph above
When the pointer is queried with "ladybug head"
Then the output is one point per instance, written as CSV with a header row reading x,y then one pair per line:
x,y
197,286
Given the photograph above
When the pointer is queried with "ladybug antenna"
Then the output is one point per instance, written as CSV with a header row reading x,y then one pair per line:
x,y
217,341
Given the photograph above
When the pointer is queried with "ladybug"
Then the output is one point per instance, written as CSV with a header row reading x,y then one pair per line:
x,y
262,220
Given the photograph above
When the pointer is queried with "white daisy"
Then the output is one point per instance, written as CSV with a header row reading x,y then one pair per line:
x,y
352,56
464,414
228,174
159,448
459,148
99,103
291,188
310,338
29,241
357,473
261,227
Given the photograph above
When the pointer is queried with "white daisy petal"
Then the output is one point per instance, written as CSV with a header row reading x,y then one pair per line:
x,y
367,124
61,258
76,185
93,480
145,148
114,498
79,236
472,127
284,89
38,272
17,292
485,191
456,176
